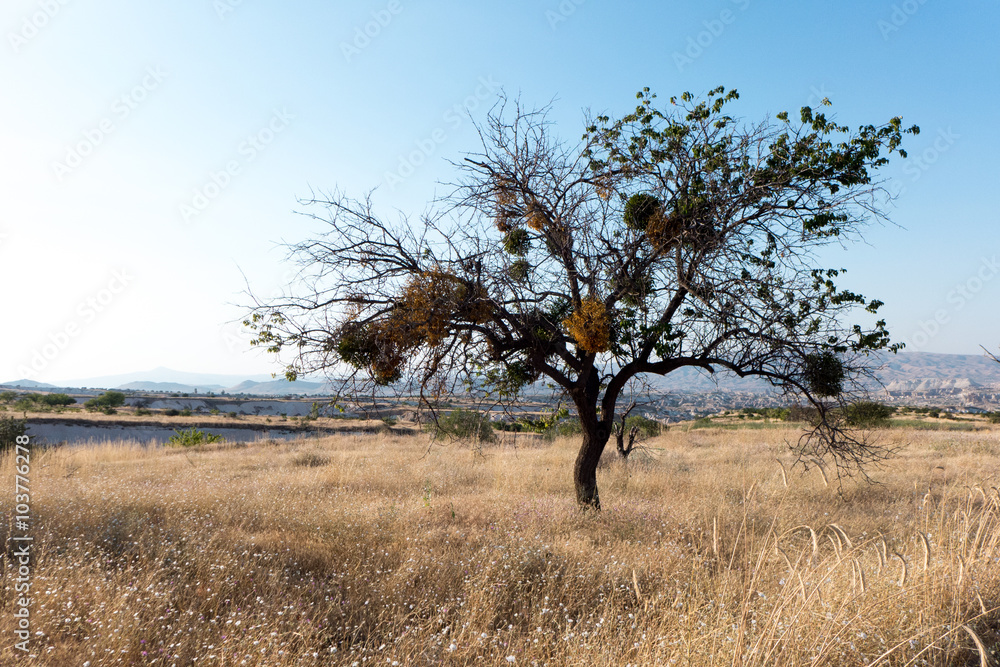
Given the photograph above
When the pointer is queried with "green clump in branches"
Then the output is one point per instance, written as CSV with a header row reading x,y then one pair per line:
x,y
519,271
639,209
824,374
516,242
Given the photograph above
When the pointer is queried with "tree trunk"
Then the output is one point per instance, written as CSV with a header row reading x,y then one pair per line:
x,y
585,470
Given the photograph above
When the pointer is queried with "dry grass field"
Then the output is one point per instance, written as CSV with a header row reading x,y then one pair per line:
x,y
390,550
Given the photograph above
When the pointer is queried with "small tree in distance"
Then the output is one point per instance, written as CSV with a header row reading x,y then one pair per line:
x,y
669,238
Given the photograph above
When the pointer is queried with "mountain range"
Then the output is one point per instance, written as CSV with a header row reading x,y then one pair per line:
x,y
903,372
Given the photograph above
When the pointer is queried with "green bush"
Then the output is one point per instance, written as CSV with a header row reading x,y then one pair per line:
x,y
803,413
171,412
10,430
784,414
466,424
186,412
868,414
567,427
25,403
143,411
192,437
109,399
57,399
8,396
648,428
994,417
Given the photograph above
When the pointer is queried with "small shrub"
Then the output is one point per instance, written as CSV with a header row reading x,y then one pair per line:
x,y
109,399
213,411
143,412
868,414
648,428
466,424
704,422
192,437
10,430
994,417
564,428
310,460
25,404
802,413
186,412
171,412
935,413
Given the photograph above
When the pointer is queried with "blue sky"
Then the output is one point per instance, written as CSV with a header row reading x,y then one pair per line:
x,y
152,155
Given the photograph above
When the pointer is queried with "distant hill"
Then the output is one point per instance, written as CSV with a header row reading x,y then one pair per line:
x,y
279,388
171,387
29,384
162,374
906,371
944,370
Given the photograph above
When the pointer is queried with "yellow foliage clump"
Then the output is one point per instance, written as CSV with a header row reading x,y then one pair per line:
x,y
602,187
425,308
506,206
429,303
536,218
664,231
590,326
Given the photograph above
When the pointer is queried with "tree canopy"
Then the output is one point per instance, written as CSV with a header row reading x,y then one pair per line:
x,y
671,237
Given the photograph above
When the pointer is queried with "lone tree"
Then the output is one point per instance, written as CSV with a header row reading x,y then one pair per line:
x,y
669,238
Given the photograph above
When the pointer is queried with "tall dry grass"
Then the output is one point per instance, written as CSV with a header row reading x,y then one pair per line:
x,y
391,550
